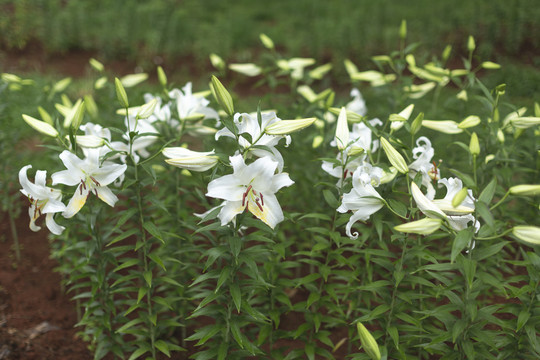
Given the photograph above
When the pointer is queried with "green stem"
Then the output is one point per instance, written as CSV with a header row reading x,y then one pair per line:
x,y
500,201
14,234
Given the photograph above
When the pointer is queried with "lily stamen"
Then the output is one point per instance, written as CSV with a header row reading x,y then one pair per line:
x,y
259,205
262,200
245,195
95,181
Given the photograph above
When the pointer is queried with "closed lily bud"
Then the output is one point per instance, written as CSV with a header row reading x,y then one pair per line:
x,y
525,189
394,156
471,45
342,130
75,115
423,227
459,197
320,71
266,41
161,76
528,234
96,65
91,106
285,127
89,141
444,126
474,145
403,29
248,69
307,93
525,122
490,65
217,62
121,93
351,115
469,122
317,141
147,109
500,136
223,97
40,126
368,342
446,52
489,158
61,85
417,123
462,95
100,83
132,80
45,115
190,160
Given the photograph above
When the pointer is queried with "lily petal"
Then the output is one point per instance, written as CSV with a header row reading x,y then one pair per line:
x,y
76,202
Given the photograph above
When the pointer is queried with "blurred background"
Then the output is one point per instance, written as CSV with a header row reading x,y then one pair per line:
x,y
60,35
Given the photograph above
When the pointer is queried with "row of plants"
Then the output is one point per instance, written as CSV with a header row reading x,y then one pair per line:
x,y
189,221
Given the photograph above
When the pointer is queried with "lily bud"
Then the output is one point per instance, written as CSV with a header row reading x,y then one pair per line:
x,y
161,76
444,126
425,226
536,109
389,176
490,65
266,41
403,29
132,80
394,156
489,158
317,141
355,150
469,122
91,106
320,71
75,115
61,85
40,126
121,93
446,52
528,234
459,197
190,160
368,342
89,141
471,45
45,115
96,65
342,130
100,83
525,189
147,109
285,127
462,95
217,62
417,123
474,145
222,96
307,93
247,69
351,115
398,120
525,122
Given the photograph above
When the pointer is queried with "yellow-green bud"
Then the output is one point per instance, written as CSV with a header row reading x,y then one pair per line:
x,y
317,141
462,95
75,115
416,125
474,145
40,126
222,96
91,106
528,234
536,109
471,45
61,85
307,93
161,76
121,93
423,227
342,130
368,342
320,71
351,115
96,65
403,29
490,65
132,80
525,122
248,69
45,115
469,122
500,89
525,189
147,109
217,62
330,99
444,126
446,52
266,41
100,83
285,127
394,156
459,197
88,141
350,67
489,158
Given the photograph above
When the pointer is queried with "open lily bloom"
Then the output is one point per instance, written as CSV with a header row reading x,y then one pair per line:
x,y
90,178
43,200
363,200
251,187
458,217
357,105
140,143
423,153
189,105
247,124
361,136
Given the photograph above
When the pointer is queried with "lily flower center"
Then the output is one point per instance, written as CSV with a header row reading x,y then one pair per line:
x,y
38,205
255,197
89,182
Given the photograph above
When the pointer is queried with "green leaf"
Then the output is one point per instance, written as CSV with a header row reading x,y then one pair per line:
x,y
330,199
163,347
137,353
236,295
483,211
467,179
393,332
125,217
223,350
313,297
128,325
398,207
123,236
462,239
148,278
126,264
237,334
489,191
155,258
310,351
236,245
153,230
223,277
523,317
483,253
458,328
308,279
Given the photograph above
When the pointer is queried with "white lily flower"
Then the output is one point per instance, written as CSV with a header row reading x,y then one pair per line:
x,y
423,153
458,217
295,66
43,199
162,112
247,124
357,105
189,105
89,176
191,160
363,200
250,187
